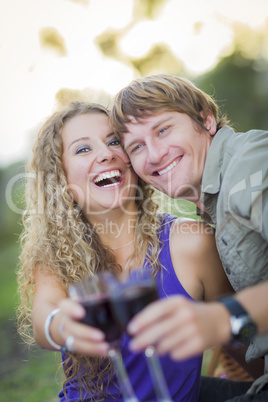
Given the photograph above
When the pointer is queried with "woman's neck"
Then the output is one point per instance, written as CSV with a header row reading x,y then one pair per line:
x,y
116,229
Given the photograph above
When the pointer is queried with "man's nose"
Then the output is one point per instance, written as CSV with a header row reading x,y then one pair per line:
x,y
156,151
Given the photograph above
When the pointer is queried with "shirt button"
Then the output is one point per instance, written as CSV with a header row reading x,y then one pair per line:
x,y
228,271
224,241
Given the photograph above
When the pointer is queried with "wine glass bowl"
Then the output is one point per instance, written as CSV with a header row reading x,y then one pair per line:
x,y
92,294
100,315
130,296
110,304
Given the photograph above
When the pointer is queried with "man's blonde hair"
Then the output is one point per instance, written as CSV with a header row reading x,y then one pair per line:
x,y
156,94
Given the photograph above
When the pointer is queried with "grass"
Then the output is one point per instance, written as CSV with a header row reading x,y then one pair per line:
x,y
31,379
26,376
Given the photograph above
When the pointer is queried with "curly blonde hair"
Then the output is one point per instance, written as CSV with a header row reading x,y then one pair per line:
x,y
160,93
58,238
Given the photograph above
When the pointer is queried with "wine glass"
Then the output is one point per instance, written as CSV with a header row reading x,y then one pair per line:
x,y
91,294
129,297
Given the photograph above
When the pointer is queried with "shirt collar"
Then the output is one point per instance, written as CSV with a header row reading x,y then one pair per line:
x,y
211,179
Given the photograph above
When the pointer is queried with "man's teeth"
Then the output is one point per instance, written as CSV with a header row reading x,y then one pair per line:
x,y
160,172
107,175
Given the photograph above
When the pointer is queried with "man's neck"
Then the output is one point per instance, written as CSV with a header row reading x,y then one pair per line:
x,y
201,206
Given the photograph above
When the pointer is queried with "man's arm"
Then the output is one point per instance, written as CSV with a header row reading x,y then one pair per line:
x,y
255,301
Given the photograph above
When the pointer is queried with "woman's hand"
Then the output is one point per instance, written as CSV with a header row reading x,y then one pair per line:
x,y
86,340
180,327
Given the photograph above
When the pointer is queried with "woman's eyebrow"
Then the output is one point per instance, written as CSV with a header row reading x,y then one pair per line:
x,y
87,138
77,140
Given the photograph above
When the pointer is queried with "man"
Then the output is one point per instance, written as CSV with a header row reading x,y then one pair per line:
x,y
178,143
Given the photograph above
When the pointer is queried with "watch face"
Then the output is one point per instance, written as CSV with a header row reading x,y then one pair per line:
x,y
242,325
248,332
243,329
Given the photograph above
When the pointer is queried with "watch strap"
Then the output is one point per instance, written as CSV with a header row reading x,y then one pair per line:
x,y
234,307
243,328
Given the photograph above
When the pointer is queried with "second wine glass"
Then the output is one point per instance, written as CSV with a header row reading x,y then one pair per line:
x,y
129,297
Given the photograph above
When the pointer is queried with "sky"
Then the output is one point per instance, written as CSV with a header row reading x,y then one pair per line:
x,y
197,31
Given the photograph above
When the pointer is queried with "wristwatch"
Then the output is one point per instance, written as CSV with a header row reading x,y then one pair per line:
x,y
243,327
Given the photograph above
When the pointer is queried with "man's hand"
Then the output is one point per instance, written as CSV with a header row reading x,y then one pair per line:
x,y
180,327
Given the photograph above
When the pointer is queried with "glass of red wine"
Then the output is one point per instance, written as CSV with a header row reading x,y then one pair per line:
x,y
129,297
92,294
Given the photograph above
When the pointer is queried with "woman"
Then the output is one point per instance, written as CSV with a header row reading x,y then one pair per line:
x,y
87,212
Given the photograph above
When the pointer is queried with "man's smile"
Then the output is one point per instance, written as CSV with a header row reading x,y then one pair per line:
x,y
168,168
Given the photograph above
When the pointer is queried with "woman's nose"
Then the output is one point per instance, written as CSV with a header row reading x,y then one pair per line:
x,y
105,154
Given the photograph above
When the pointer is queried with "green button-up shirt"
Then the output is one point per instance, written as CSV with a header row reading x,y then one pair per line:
x,y
235,194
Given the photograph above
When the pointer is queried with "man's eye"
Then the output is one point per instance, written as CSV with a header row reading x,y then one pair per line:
x,y
83,149
162,131
115,142
136,148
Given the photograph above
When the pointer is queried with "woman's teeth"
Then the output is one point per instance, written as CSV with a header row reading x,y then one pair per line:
x,y
108,179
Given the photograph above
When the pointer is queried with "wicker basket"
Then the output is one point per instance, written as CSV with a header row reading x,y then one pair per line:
x,y
222,365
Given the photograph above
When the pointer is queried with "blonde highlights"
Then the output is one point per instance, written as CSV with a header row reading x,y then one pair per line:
x,y
57,237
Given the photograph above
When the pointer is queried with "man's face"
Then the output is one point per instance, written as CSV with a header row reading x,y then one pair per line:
x,y
169,150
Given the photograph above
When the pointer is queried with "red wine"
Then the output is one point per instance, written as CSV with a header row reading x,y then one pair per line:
x,y
132,301
99,315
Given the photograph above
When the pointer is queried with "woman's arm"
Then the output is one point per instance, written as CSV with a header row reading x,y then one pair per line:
x,y
177,325
196,261
49,295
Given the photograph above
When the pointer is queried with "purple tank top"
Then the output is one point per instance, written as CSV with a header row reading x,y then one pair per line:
x,y
183,378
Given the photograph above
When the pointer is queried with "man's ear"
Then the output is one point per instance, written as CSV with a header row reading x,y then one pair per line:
x,y
210,123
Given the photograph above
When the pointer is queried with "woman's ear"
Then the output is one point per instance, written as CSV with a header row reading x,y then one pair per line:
x,y
211,124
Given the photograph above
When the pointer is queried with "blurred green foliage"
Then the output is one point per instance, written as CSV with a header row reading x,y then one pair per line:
x,y
240,87
11,201
25,375
51,39
147,8
159,59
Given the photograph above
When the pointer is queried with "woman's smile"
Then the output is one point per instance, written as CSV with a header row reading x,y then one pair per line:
x,y
108,179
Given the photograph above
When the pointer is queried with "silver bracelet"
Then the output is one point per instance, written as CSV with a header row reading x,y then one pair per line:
x,y
47,325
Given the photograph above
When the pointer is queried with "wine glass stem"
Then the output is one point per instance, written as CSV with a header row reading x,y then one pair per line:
x,y
156,372
122,376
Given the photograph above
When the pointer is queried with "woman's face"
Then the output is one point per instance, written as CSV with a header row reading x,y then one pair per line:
x,y
97,168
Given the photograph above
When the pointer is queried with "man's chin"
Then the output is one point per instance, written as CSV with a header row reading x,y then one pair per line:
x,y
170,192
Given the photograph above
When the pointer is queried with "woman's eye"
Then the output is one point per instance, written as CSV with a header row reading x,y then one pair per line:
x,y
83,149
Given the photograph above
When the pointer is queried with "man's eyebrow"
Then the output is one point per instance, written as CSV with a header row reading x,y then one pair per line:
x,y
157,124
131,143
160,122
